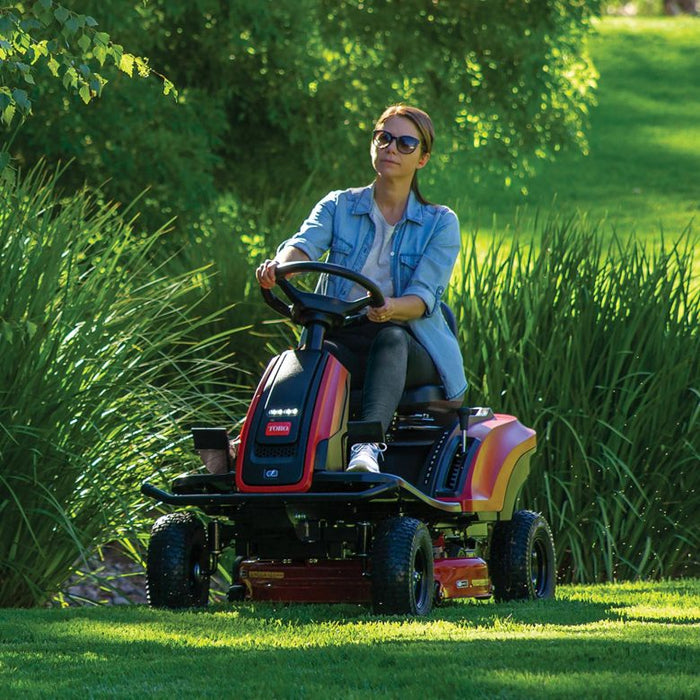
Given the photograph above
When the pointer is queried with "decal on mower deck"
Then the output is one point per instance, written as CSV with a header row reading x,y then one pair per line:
x,y
266,574
278,428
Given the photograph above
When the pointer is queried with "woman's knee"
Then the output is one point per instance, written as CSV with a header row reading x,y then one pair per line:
x,y
393,338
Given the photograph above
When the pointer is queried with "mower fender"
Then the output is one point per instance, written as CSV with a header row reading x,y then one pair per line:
x,y
500,465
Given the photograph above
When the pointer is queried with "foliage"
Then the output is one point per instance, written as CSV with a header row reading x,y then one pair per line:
x,y
231,239
612,641
290,88
599,351
100,377
43,36
636,7
641,172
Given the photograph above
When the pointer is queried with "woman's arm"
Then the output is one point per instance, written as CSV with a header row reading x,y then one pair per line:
x,y
404,308
432,274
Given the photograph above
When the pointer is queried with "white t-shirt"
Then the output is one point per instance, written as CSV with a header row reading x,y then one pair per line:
x,y
378,264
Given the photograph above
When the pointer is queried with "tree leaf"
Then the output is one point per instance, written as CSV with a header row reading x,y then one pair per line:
x,y
100,53
21,99
142,67
8,114
71,26
126,64
61,14
84,42
101,38
53,65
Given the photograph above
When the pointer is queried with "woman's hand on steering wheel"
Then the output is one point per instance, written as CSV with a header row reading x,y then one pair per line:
x,y
381,314
266,275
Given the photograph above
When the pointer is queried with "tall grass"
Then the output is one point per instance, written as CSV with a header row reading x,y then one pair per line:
x,y
99,377
230,240
599,350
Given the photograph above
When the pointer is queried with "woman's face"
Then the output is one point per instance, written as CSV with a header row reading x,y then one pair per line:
x,y
389,162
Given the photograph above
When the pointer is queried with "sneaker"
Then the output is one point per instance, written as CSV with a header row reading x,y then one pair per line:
x,y
364,457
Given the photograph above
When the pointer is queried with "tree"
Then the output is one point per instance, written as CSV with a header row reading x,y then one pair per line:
x,y
676,7
271,92
45,35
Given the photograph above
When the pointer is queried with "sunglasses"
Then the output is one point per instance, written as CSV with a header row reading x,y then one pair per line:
x,y
404,144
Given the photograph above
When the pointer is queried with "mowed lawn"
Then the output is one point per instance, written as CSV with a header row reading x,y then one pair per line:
x,y
638,640
642,174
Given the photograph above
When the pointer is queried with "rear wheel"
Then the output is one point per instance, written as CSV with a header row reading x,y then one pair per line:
x,y
402,568
177,568
522,563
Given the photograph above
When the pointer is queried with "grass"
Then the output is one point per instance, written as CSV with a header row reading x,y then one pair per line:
x,y
641,174
637,639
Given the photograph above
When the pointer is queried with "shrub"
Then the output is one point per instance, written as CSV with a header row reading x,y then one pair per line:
x,y
598,350
100,376
270,92
230,239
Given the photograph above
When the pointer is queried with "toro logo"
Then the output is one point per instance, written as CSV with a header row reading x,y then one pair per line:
x,y
277,428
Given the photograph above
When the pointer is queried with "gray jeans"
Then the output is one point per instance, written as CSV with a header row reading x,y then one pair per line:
x,y
383,359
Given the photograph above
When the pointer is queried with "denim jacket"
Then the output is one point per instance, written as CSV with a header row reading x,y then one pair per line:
x,y
426,243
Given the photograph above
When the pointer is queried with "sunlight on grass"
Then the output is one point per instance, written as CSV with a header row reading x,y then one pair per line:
x,y
600,641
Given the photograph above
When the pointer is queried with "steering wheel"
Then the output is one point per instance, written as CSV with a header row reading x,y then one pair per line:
x,y
310,306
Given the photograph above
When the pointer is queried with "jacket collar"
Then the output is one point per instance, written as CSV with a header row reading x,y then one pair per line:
x,y
363,205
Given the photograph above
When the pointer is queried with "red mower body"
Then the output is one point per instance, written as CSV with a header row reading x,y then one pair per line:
x,y
347,581
500,466
294,424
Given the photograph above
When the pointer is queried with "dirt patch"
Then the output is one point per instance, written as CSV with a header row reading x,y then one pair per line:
x,y
111,578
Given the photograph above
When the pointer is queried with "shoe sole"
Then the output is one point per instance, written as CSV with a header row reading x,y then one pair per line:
x,y
362,468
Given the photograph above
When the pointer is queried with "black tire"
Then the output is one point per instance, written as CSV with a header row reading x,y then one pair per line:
x,y
403,581
178,562
236,590
522,562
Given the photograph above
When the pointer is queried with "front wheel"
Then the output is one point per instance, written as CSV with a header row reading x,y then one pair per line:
x,y
521,562
402,568
177,566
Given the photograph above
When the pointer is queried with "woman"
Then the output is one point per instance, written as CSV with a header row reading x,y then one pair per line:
x,y
405,245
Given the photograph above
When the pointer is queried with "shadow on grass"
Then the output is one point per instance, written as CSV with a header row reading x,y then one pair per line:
x,y
327,651
472,613
483,614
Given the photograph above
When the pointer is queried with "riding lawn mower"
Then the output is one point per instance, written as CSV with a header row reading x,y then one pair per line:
x,y
438,523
